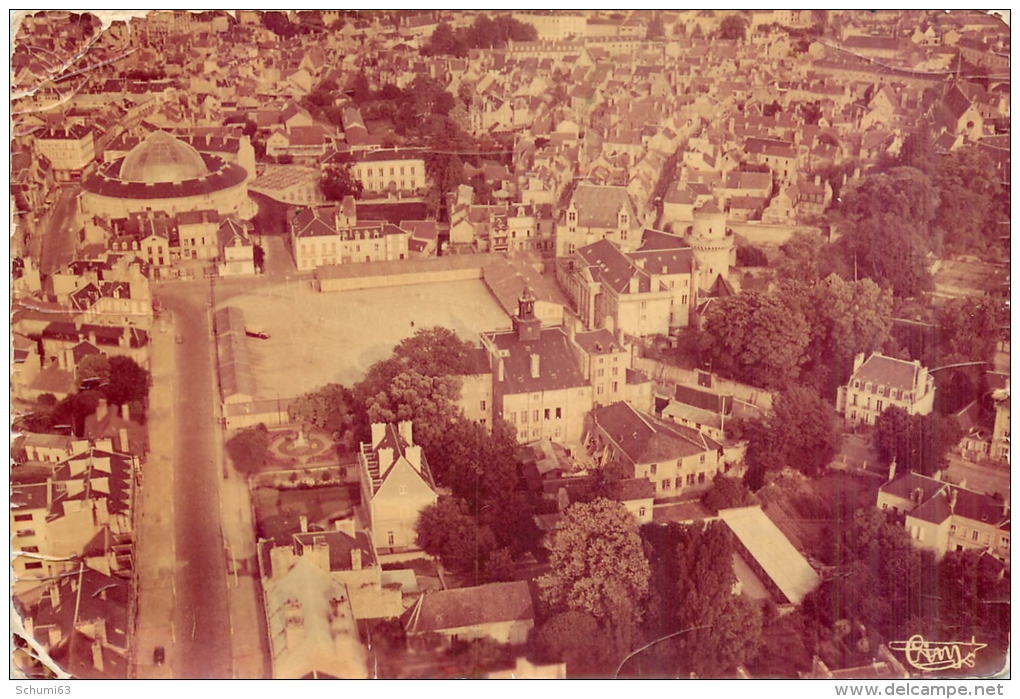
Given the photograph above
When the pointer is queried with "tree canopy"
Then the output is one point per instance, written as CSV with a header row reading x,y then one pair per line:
x,y
918,443
449,531
332,408
598,566
888,222
249,448
129,381
733,27
429,401
755,338
576,639
338,182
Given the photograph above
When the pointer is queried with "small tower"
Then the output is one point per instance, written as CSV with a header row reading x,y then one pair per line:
x,y
526,325
711,245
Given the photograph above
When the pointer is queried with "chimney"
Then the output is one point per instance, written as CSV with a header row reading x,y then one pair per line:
x,y
125,411
858,361
378,432
534,366
952,500
634,281
818,179
125,337
355,558
102,409
413,456
1005,506
304,523
385,458
404,427
123,434
65,360
501,371
640,262
346,526
892,470
92,337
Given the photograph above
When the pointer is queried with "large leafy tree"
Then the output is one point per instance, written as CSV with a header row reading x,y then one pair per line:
x,y
338,182
129,381
332,408
968,188
970,328
730,633
249,448
429,401
576,639
888,222
435,351
449,531
94,366
598,567
918,443
756,338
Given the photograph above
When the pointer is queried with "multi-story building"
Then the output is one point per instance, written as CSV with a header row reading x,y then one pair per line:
x,y
595,213
884,382
70,150
1000,432
606,361
944,517
334,236
390,170
396,485
537,384
677,460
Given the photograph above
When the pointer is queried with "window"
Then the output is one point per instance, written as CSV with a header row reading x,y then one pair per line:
x,y
559,413
701,477
677,482
389,538
483,405
616,386
644,305
22,518
34,565
524,417
602,373
666,484
600,390
534,416
35,549
878,406
702,458
854,400
1004,541
403,490
654,466
523,436
548,414
616,369
641,512
690,479
974,535
513,418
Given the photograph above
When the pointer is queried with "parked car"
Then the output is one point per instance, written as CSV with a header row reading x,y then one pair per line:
x,y
159,655
260,334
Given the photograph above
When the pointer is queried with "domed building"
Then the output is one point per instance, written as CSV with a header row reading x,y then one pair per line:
x,y
163,174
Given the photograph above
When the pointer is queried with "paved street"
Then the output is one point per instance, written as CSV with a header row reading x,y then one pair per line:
x,y
58,231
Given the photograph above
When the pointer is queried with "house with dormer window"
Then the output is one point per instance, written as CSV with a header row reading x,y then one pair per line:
x,y
598,212
884,382
396,485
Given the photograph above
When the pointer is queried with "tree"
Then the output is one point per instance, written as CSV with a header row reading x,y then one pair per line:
x,y
362,91
249,449
807,425
128,381
450,532
888,220
853,317
436,351
751,256
755,338
733,28
94,366
730,633
598,567
918,443
430,402
576,639
337,182
727,492
967,187
74,409
331,408
970,328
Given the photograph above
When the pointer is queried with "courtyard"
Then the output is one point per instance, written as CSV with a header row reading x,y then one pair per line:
x,y
318,338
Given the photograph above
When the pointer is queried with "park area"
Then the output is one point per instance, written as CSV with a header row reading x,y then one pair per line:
x,y
318,338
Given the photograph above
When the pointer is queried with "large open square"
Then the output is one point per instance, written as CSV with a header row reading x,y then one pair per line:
x,y
318,338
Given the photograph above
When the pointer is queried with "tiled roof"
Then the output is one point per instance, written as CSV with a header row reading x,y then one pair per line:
x,y
886,371
598,206
557,366
470,606
599,341
645,438
611,267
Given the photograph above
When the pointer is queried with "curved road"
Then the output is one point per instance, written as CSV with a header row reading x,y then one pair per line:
x,y
202,610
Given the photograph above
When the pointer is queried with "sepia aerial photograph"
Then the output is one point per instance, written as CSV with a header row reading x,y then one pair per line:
x,y
602,344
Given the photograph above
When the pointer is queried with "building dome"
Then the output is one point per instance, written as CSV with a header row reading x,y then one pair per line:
x,y
162,158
